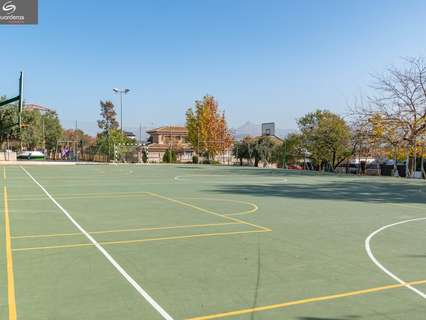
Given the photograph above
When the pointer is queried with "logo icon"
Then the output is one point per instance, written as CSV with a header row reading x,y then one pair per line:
x,y
9,7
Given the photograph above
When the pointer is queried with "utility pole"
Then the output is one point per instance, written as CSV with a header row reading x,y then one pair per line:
x,y
121,91
121,111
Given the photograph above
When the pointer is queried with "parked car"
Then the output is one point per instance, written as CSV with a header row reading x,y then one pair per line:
x,y
294,167
31,155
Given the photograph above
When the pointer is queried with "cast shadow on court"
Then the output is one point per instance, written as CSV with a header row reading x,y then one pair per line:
x,y
316,318
391,191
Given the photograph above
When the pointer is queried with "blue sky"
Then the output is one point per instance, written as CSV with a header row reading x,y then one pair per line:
x,y
263,60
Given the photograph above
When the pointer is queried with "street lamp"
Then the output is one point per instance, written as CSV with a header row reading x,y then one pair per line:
x,y
121,91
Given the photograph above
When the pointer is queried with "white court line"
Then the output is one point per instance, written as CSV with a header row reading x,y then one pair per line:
x,y
120,269
378,264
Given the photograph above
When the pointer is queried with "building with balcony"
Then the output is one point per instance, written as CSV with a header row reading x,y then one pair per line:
x,y
170,137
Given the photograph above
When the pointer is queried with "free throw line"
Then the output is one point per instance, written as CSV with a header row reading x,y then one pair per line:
x,y
119,268
125,230
190,236
186,204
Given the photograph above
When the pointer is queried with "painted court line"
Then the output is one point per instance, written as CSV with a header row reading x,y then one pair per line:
x,y
380,266
124,230
9,257
304,301
207,211
120,269
253,206
115,195
200,235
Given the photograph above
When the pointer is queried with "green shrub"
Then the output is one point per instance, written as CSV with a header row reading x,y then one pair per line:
x,y
144,156
210,162
169,156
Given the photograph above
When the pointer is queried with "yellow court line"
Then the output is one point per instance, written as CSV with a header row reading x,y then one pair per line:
x,y
305,301
207,211
118,195
9,256
252,210
201,235
124,230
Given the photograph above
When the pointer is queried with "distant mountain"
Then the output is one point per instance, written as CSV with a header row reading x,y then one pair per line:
x,y
252,129
248,129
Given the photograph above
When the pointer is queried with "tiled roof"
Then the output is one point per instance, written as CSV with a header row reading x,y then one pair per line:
x,y
172,129
31,106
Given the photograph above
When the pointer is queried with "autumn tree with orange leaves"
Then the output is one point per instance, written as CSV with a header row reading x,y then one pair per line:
x,y
208,132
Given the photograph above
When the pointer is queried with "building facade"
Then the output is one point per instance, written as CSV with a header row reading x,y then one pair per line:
x,y
170,137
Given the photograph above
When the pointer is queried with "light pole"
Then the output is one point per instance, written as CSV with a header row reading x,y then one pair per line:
x,y
121,91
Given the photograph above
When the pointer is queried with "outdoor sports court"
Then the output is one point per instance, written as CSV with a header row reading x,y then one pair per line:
x,y
202,242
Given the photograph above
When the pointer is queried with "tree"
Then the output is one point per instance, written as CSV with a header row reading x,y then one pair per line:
x,y
290,151
240,151
423,155
110,136
108,116
32,130
40,131
52,128
244,149
327,138
263,150
144,155
208,132
387,134
8,122
86,143
401,102
80,136
107,141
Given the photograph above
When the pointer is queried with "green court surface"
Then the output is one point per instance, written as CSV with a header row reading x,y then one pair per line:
x,y
201,242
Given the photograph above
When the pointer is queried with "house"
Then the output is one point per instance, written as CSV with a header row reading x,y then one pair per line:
x,y
130,135
169,137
